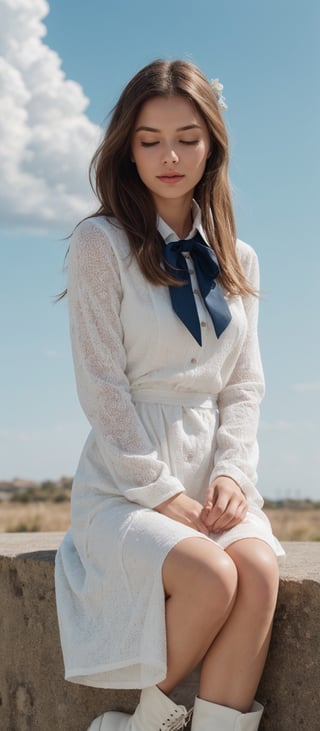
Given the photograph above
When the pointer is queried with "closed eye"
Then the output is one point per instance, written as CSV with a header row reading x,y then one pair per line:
x,y
182,142
189,142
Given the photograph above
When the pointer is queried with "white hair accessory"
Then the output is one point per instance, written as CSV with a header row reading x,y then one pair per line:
x,y
217,88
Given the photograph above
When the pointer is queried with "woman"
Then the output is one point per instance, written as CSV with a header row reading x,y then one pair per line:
x,y
169,561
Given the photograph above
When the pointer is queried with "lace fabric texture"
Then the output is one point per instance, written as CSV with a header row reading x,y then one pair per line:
x,y
124,335
126,340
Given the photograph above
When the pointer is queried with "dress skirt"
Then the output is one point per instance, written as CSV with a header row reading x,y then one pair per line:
x,y
110,597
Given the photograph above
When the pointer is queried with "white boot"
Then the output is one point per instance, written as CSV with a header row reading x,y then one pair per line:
x,y
211,717
155,712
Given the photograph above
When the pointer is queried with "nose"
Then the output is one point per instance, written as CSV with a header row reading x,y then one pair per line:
x,y
170,156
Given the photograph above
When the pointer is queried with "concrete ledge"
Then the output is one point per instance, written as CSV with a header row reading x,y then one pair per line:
x,y
34,695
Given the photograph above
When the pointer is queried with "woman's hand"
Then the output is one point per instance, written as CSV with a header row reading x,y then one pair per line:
x,y
185,510
225,504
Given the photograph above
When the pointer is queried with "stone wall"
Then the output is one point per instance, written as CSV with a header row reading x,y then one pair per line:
x,y
35,697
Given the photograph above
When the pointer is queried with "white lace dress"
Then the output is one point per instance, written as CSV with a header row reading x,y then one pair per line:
x,y
167,415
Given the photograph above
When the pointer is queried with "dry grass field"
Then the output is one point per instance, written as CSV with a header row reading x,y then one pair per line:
x,y
289,524
295,525
34,516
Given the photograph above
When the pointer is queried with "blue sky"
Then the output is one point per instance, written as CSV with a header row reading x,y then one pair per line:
x,y
54,101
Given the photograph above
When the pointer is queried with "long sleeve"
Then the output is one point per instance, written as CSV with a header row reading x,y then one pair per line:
x,y
237,449
95,294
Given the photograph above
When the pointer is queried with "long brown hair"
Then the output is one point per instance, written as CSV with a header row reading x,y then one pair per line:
x,y
123,195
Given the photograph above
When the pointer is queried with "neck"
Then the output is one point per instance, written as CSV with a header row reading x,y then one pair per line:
x,y
177,214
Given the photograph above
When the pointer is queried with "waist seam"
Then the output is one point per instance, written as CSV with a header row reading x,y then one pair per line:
x,y
168,397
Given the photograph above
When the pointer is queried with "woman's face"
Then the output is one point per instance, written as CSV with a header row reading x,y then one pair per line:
x,y
170,147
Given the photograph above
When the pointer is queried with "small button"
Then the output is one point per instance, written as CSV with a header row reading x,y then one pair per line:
x,y
189,457
203,323
187,256
191,271
196,291
193,360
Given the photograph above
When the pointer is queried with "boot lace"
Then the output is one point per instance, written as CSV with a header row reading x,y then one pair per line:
x,y
179,718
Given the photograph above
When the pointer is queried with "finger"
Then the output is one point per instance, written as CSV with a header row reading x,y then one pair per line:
x,y
204,515
218,509
236,520
209,498
233,515
208,507
199,524
231,510
202,528
230,525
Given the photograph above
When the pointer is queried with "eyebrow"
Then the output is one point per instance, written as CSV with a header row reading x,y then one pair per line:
x,y
180,129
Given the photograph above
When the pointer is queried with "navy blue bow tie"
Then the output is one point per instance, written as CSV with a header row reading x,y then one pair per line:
x,y
207,269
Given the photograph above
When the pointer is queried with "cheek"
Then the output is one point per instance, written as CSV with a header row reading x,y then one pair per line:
x,y
200,153
206,151
142,169
138,155
200,159
137,158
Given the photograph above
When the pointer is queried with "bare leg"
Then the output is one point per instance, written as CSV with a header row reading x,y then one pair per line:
x,y
233,665
200,582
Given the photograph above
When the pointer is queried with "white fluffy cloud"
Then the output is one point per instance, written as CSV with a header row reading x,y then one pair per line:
x,y
46,139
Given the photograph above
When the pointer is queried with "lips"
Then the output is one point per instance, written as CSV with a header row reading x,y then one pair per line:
x,y
170,177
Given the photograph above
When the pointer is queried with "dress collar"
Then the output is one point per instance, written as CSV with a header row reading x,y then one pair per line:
x,y
169,235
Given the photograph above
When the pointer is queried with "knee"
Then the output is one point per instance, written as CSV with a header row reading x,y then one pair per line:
x,y
265,574
226,577
218,582
200,572
258,573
